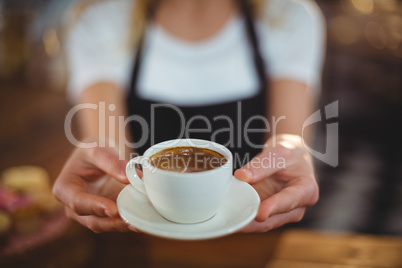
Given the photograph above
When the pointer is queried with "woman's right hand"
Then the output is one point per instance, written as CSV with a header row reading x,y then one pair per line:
x,y
88,186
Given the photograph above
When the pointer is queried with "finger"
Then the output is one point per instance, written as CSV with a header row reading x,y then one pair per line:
x,y
88,204
300,193
275,221
107,160
98,224
259,167
70,189
281,152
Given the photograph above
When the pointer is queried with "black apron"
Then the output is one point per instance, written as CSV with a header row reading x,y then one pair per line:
x,y
167,124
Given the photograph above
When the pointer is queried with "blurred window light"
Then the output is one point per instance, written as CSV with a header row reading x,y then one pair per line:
x,y
375,35
363,6
394,22
346,6
388,5
392,41
394,31
345,30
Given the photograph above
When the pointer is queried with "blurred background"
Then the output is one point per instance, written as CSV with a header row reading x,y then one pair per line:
x,y
363,70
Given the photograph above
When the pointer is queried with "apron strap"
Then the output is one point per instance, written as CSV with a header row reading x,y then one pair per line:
x,y
246,9
137,63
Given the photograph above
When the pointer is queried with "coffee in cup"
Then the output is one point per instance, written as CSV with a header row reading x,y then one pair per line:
x,y
187,159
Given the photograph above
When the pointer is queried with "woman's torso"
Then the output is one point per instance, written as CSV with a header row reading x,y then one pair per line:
x,y
188,73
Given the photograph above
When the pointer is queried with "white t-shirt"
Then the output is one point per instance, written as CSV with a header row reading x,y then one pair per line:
x,y
291,38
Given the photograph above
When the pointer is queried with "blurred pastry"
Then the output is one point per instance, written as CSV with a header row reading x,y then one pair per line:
x,y
25,194
34,182
27,179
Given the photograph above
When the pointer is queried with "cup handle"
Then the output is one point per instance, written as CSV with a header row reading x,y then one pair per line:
x,y
132,175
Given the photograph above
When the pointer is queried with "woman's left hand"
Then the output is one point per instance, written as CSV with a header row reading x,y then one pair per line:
x,y
283,176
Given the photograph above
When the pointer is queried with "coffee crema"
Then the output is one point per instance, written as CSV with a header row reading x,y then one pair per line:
x,y
187,159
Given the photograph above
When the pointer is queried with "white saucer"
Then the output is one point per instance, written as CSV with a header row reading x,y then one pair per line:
x,y
239,209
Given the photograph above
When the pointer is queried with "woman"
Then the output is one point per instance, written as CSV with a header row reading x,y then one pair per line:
x,y
232,60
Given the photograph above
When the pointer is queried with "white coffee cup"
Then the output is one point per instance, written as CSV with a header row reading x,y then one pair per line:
x,y
183,197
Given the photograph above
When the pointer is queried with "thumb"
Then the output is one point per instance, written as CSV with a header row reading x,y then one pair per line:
x,y
107,160
269,161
